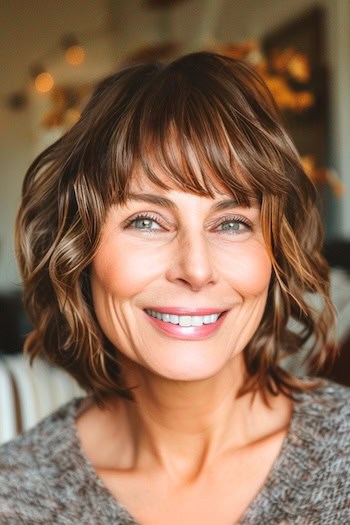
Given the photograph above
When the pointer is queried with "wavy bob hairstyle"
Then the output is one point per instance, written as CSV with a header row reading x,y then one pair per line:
x,y
204,110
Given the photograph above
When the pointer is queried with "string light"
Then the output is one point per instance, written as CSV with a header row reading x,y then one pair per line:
x,y
43,80
73,52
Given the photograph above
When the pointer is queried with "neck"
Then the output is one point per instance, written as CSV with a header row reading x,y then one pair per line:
x,y
184,407
183,426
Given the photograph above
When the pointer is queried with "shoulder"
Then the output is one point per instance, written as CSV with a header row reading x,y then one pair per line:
x,y
325,409
309,482
31,465
322,423
318,452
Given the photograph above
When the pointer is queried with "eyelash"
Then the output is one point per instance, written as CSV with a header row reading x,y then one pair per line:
x,y
223,220
234,218
140,218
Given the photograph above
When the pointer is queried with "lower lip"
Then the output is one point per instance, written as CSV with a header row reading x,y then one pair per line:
x,y
187,332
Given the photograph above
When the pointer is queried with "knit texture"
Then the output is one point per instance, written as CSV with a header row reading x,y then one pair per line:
x,y
46,479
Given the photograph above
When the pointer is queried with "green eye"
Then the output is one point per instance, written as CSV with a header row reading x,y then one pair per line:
x,y
143,224
235,226
232,225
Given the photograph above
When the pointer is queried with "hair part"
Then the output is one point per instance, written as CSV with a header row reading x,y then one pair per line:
x,y
203,121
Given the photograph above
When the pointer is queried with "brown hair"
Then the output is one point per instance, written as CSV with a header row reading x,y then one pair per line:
x,y
215,113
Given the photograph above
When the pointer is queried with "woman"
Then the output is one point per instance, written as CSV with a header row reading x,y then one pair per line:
x,y
169,245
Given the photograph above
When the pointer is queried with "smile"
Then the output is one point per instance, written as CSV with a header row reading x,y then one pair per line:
x,y
184,320
188,327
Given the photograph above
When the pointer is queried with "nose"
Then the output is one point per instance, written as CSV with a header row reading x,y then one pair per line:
x,y
191,263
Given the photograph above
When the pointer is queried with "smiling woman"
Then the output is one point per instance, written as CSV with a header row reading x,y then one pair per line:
x,y
164,273
169,245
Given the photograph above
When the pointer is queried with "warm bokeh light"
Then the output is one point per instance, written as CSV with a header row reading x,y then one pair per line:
x,y
72,117
44,82
75,55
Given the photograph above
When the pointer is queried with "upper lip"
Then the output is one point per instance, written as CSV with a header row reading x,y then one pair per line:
x,y
179,310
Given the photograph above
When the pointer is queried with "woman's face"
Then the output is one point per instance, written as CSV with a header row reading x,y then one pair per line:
x,y
180,281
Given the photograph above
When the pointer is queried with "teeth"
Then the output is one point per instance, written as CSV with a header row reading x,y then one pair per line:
x,y
184,320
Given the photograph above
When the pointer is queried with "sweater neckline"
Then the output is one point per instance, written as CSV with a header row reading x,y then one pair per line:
x,y
265,497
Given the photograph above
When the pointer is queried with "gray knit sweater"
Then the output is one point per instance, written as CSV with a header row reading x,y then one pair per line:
x,y
46,479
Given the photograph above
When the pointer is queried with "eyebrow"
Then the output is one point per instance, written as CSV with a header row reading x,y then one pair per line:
x,y
169,204
152,199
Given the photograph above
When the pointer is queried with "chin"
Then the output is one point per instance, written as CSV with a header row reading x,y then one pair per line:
x,y
188,369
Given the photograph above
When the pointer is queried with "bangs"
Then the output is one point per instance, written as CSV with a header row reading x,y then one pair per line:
x,y
180,134
186,144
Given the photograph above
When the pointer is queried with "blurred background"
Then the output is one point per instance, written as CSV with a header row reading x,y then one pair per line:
x,y
52,54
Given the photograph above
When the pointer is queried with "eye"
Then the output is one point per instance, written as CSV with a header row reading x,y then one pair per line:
x,y
234,225
144,223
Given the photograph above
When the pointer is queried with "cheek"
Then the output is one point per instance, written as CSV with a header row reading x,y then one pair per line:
x,y
123,270
250,270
